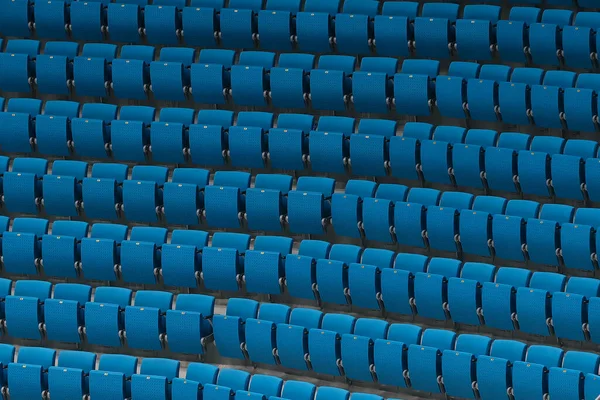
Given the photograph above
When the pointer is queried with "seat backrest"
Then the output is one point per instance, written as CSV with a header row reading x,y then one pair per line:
x,y
280,182
336,124
77,169
31,288
528,76
548,144
450,134
326,186
439,338
243,308
155,235
440,10
546,355
37,226
101,50
405,333
392,191
558,17
474,344
457,200
38,166
588,287
464,69
364,7
515,141
386,65
431,68
199,239
101,111
37,356
69,109
223,57
76,229
379,257
482,12
83,360
263,59
200,303
160,366
126,365
562,79
316,249
346,64
479,272
303,61
523,208
360,188
490,204
73,291
444,266
482,137
150,173
238,241
279,244
424,196
411,262
118,172
143,114
194,176
115,232
409,9
549,281
178,54
581,148
418,130
202,373
277,313
23,46
184,116
371,327
237,179
233,378
306,317
493,72
347,253
560,213
340,323
138,52
385,127
293,6
511,350
588,363
517,277
585,216
589,81
298,390
154,298
113,295
528,15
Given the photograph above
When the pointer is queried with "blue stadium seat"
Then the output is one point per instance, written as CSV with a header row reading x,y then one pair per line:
x,y
580,104
498,298
170,142
292,339
546,37
27,376
162,23
436,154
300,271
222,263
248,141
131,136
183,197
425,359
124,22
17,20
476,32
140,255
270,386
63,189
91,132
324,343
276,26
102,192
249,84
207,137
170,75
390,354
213,73
229,331
468,160
181,258
190,310
501,162
17,134
451,91
378,212
264,265
494,378
53,134
578,241
578,42
200,23
24,309
21,248
63,314
239,22
110,377
61,250
145,321
509,230
464,292
538,297
51,19
261,332
289,80
529,376
332,279
392,30
547,101
69,377
459,364
431,287
88,21
100,253
225,199
570,308
91,69
358,348
309,205
442,221
433,34
354,29
18,64
414,82
314,26
515,96
405,153
372,88
346,208
330,83
105,317
266,202
142,194
131,72
409,216
54,68
299,390
482,92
